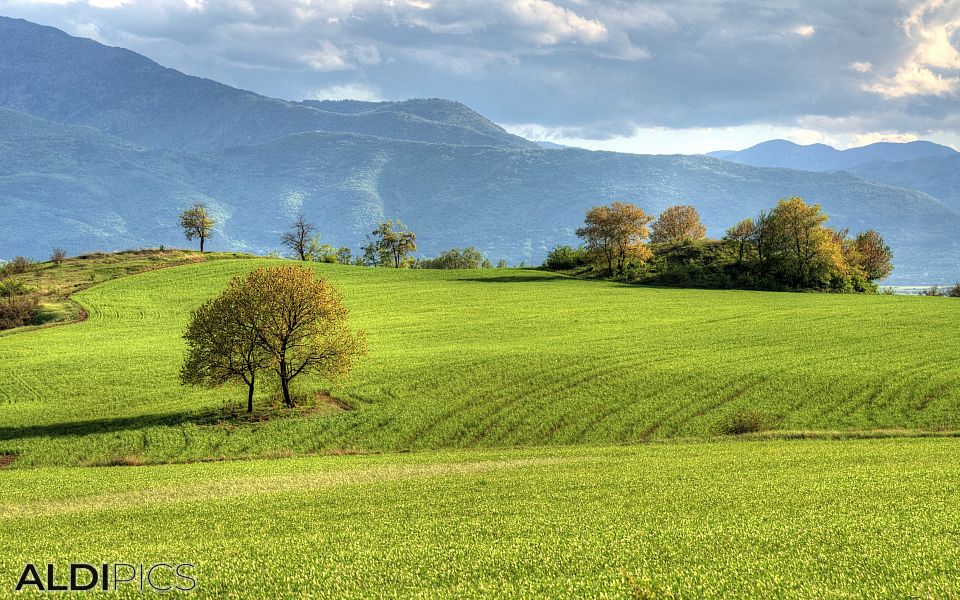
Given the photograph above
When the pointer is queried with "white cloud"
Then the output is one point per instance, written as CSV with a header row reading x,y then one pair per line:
x,y
551,24
349,91
326,58
861,66
804,30
933,67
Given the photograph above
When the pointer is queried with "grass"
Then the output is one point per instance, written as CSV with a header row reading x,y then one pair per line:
x,y
55,284
485,359
812,519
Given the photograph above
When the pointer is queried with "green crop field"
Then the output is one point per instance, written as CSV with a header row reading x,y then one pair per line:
x,y
491,358
775,519
570,438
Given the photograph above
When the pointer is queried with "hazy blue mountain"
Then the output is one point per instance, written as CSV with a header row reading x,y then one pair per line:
x,y
85,190
47,73
938,176
820,157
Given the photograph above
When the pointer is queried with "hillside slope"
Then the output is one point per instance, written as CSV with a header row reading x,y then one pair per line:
x,y
83,190
482,359
47,73
939,177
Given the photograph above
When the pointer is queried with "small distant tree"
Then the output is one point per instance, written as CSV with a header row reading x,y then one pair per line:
x,y
677,224
58,256
873,255
954,291
197,223
392,244
616,233
565,257
740,234
344,256
301,323
223,346
502,264
299,237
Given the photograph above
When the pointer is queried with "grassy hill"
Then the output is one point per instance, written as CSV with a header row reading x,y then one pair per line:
x,y
526,395
462,359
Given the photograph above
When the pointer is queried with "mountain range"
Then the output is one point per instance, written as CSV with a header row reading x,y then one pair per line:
x,y
101,148
821,157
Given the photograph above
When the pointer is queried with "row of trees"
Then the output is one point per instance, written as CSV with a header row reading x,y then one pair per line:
x,y
790,245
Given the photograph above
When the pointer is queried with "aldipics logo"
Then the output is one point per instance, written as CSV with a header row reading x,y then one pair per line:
x,y
82,577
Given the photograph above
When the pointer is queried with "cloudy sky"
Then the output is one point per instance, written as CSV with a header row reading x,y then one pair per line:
x,y
653,77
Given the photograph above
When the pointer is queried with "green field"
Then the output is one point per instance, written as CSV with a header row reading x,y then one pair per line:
x,y
486,359
571,438
811,519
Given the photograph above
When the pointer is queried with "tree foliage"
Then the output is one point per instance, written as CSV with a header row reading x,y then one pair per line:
x,y
455,258
391,245
677,224
616,234
277,318
223,346
197,223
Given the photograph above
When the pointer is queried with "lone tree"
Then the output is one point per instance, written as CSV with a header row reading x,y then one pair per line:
x,y
223,347
277,318
197,223
392,243
301,323
299,237
616,233
677,224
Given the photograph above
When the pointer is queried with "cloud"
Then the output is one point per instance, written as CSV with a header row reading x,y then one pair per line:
x,y
349,91
603,71
551,24
933,67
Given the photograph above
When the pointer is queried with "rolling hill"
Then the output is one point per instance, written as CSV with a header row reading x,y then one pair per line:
x,y
820,157
486,358
937,176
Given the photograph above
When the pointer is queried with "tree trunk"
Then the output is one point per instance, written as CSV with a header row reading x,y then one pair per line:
x,y
201,244
250,396
285,384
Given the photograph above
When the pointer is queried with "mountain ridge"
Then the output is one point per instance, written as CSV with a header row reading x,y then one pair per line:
x,y
821,157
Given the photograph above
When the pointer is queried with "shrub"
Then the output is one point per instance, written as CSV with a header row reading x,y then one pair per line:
x,y
954,291
747,421
13,287
17,266
566,257
58,256
16,311
933,291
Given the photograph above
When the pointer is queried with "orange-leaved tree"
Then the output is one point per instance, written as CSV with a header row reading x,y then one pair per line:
x,y
616,233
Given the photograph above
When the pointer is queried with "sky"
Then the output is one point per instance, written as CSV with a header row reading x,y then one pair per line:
x,y
685,76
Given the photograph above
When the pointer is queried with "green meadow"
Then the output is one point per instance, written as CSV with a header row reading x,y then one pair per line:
x,y
489,358
510,433
773,519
